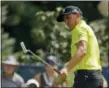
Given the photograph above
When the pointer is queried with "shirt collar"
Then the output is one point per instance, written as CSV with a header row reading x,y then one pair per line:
x,y
81,22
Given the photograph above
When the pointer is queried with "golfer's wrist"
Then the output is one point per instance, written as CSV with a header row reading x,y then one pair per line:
x,y
66,67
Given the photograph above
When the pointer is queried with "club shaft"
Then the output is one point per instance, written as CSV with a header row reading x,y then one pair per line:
x,y
43,61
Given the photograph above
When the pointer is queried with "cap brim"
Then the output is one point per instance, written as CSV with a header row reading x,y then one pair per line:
x,y
51,63
9,63
32,81
60,18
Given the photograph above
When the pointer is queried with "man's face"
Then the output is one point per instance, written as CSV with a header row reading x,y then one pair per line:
x,y
70,20
49,69
9,69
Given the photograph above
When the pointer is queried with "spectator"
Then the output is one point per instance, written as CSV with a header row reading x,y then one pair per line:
x,y
47,78
32,83
9,76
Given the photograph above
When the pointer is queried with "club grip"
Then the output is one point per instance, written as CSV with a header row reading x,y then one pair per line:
x,y
23,47
57,71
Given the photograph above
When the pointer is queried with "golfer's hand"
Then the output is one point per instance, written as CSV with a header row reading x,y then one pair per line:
x,y
64,71
61,77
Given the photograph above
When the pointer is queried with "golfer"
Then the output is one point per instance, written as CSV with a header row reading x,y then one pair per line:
x,y
85,55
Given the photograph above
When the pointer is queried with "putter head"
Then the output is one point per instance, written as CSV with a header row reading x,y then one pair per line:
x,y
23,47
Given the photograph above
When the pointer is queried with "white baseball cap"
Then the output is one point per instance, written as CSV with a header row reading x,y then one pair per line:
x,y
32,81
11,60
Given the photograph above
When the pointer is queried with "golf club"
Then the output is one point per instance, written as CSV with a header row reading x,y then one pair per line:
x,y
25,50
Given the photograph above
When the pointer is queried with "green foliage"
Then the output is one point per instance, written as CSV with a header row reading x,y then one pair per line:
x,y
35,24
54,36
7,46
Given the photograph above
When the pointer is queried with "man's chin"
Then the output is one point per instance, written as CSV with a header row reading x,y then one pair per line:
x,y
8,72
71,28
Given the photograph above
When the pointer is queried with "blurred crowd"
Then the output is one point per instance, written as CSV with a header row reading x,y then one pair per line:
x,y
46,79
12,79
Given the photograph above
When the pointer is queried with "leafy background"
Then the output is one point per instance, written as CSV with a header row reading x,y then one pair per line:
x,y
34,22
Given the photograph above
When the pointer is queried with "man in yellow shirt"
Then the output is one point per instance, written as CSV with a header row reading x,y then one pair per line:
x,y
85,55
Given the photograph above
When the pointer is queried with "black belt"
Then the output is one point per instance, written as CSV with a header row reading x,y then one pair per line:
x,y
87,71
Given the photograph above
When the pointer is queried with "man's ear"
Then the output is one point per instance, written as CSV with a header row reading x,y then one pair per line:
x,y
78,15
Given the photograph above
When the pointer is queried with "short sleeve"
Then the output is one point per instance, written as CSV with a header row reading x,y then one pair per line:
x,y
82,35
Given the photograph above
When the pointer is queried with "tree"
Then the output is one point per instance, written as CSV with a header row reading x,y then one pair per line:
x,y
53,36
35,24
7,44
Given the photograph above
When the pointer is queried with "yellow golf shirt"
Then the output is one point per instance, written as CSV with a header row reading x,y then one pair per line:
x,y
91,61
70,79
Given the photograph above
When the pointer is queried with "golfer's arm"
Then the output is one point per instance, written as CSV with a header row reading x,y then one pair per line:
x,y
81,51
